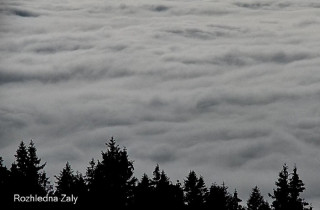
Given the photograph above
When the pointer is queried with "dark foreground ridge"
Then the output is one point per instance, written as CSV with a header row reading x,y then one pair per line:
x,y
109,183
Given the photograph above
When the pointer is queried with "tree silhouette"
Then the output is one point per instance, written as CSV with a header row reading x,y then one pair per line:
x,y
19,170
195,190
166,195
27,177
256,201
113,181
69,184
296,187
282,193
36,175
90,174
156,175
177,196
218,197
234,202
144,194
65,181
90,183
4,181
27,173
110,183
161,184
287,194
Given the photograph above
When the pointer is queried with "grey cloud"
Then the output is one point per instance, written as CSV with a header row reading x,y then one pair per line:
x,y
80,71
245,155
197,33
48,44
206,11
227,88
9,123
159,8
240,99
307,131
50,48
19,12
253,152
153,128
314,5
67,153
158,102
308,124
6,77
238,58
216,134
281,57
161,154
254,5
263,5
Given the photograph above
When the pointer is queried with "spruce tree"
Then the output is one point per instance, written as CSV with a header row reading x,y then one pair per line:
x,y
69,184
256,201
36,175
177,196
4,181
18,178
27,175
234,202
4,174
296,187
90,175
22,159
65,181
156,175
218,197
195,190
162,191
80,189
281,194
144,198
166,195
113,181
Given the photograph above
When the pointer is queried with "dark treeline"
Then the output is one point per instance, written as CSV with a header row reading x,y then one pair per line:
x,y
109,183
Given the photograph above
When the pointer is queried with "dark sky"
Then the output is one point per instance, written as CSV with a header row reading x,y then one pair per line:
x,y
228,88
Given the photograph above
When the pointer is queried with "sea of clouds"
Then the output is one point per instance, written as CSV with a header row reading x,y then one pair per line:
x,y
228,88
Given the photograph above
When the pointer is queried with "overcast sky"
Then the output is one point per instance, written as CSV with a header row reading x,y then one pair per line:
x,y
228,88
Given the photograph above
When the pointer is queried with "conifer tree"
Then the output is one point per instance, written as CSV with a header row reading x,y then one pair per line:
x,y
195,190
296,187
22,158
113,181
281,195
36,175
256,201
80,189
218,197
27,175
234,202
144,194
156,175
65,181
162,190
90,175
4,181
177,196
69,184
4,173
166,195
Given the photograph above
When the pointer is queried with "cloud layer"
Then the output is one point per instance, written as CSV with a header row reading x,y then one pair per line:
x,y
228,88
